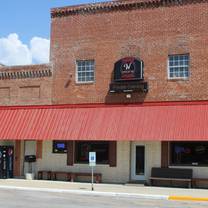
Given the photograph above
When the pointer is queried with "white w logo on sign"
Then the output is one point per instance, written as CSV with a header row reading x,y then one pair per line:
x,y
127,66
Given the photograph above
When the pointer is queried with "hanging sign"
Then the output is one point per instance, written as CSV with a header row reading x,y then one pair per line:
x,y
128,68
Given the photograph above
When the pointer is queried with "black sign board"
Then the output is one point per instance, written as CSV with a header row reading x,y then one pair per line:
x,y
128,68
128,76
132,86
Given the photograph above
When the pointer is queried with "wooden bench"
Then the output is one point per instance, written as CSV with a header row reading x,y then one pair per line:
x,y
171,174
46,172
70,176
54,175
198,180
98,176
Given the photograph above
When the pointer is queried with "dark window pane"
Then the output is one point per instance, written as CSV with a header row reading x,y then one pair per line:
x,y
89,79
170,63
171,70
189,153
140,160
101,149
171,58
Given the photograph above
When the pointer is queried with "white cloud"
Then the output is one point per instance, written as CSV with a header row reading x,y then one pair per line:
x,y
39,48
14,52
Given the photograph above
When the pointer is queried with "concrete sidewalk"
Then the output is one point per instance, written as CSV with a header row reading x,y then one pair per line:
x,y
107,189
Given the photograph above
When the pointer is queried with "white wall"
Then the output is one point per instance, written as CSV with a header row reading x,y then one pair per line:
x,y
29,148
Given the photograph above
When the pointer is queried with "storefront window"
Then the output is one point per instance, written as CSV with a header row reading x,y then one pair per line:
x,y
101,149
189,153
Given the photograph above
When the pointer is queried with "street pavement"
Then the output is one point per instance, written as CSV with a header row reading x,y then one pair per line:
x,y
32,199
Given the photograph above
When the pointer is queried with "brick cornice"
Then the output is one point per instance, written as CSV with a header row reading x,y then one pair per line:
x,y
26,71
25,74
118,5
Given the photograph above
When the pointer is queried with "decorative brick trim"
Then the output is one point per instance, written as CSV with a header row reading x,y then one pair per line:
x,y
25,74
118,5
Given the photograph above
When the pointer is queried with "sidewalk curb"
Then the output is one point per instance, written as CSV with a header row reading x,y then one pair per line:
x,y
187,198
110,194
94,193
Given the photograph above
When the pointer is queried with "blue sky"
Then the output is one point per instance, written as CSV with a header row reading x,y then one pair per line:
x,y
30,18
25,29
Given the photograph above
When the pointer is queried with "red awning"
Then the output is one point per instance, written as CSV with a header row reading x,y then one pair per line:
x,y
176,121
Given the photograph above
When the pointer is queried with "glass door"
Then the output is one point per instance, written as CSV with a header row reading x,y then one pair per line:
x,y
138,162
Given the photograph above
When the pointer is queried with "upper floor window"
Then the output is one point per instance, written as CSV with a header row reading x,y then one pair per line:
x,y
85,71
178,66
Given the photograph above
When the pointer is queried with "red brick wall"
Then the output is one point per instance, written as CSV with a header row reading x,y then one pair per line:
x,y
17,88
149,34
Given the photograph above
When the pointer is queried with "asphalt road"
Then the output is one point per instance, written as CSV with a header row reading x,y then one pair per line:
x,y
34,199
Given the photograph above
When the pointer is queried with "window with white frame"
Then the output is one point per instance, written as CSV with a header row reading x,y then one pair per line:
x,y
85,71
178,66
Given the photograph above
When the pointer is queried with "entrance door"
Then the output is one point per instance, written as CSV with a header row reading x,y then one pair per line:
x,y
138,162
6,161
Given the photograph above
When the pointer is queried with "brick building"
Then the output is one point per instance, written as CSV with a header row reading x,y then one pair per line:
x,y
126,79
